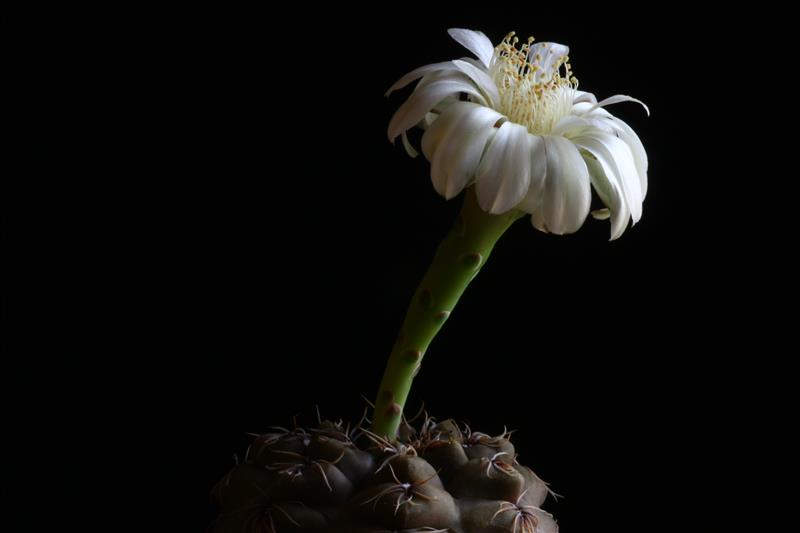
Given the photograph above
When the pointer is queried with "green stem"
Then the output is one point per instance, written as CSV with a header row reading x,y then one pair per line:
x,y
459,258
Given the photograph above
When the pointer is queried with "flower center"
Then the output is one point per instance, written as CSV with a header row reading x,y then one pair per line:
x,y
535,82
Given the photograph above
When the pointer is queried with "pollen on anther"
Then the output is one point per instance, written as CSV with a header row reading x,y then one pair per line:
x,y
535,90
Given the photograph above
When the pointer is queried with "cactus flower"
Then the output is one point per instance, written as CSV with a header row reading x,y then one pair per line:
x,y
514,124
513,131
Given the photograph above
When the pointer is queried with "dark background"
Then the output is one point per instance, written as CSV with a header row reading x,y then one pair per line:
x,y
206,232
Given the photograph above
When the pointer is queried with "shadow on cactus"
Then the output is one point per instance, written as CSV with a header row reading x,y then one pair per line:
x,y
512,131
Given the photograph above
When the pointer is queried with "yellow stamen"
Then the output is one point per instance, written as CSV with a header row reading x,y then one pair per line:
x,y
532,93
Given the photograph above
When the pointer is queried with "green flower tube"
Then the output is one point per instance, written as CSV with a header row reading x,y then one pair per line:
x,y
458,260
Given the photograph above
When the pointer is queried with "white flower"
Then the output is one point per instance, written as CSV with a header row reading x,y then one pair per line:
x,y
515,124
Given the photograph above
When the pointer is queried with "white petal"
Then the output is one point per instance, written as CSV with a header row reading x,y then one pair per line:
x,y
474,41
457,155
440,75
474,62
567,195
602,119
583,96
617,99
537,219
538,156
484,82
627,134
418,73
616,159
573,125
611,196
407,145
429,119
583,107
424,98
442,126
504,172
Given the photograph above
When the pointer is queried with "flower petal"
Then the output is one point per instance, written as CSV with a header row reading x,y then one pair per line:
x,y
537,220
420,72
430,118
424,98
611,196
567,194
581,108
583,96
504,172
617,99
627,134
484,82
410,150
574,125
616,159
474,41
603,120
443,126
456,158
538,156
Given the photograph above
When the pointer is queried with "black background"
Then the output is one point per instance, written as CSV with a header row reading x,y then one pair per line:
x,y
206,232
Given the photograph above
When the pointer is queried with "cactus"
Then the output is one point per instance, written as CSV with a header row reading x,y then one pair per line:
x,y
511,131
437,478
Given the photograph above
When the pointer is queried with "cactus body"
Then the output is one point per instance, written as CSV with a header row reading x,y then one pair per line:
x,y
438,479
